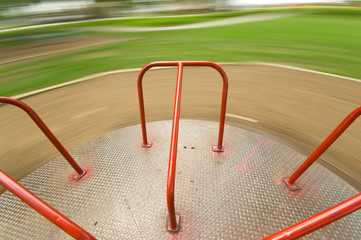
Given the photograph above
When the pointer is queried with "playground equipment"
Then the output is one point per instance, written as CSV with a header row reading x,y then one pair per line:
x,y
173,223
226,201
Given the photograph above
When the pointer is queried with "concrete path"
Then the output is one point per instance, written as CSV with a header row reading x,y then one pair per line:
x,y
103,19
228,21
217,23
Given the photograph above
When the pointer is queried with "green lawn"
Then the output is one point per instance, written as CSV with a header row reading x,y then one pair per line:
x,y
326,40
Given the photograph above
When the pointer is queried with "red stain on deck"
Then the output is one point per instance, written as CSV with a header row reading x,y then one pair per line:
x,y
73,176
242,166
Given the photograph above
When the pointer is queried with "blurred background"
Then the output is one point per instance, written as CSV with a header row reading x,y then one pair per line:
x,y
38,11
39,39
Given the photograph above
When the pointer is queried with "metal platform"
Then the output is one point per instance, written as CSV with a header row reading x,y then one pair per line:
x,y
237,194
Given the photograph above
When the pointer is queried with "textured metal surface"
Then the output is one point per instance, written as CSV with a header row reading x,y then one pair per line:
x,y
237,194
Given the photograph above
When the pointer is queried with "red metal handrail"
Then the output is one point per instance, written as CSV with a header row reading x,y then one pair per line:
x,y
332,214
43,208
323,147
319,220
173,223
218,147
45,130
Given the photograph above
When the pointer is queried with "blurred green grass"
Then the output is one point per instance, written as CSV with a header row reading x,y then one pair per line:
x,y
178,19
325,40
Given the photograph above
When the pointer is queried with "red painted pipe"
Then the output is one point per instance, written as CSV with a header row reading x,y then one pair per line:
x,y
44,129
319,220
43,208
173,225
145,143
325,144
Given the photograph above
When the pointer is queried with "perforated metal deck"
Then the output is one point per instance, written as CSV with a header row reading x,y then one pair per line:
x,y
237,194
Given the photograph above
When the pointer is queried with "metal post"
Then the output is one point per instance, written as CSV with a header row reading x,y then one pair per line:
x,y
43,208
173,218
173,225
45,130
319,220
322,148
219,146
145,143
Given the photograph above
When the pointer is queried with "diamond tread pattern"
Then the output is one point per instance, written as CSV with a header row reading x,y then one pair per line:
x,y
238,194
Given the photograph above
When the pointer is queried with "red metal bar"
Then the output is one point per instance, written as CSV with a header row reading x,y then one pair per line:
x,y
219,146
173,225
323,147
319,220
45,130
43,208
